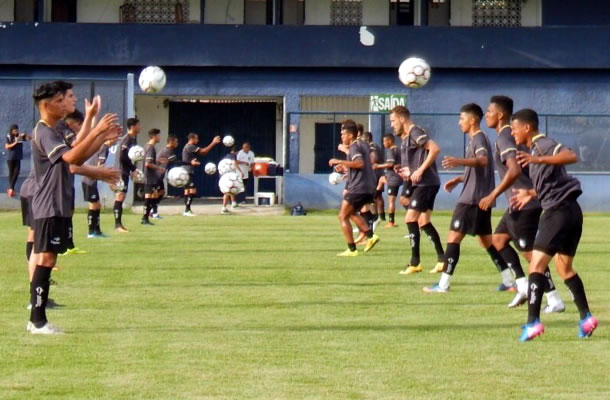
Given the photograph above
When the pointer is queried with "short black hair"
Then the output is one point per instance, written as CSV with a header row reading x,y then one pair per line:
x,y
235,149
153,132
350,126
360,128
132,122
76,116
170,138
401,111
192,135
50,89
473,109
12,127
389,137
368,135
528,116
505,104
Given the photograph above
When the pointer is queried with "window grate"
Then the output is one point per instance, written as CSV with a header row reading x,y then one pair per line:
x,y
498,13
346,12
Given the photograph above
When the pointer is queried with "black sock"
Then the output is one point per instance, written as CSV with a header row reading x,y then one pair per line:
x,y
511,258
414,237
28,250
382,215
118,213
549,280
578,294
391,217
497,258
91,221
147,206
40,295
155,206
351,246
452,256
537,283
97,228
432,234
367,216
188,200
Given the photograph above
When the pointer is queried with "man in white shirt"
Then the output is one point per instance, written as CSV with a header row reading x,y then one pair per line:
x,y
245,161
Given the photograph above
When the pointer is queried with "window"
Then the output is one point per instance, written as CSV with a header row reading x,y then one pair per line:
x,y
401,12
346,12
500,13
155,11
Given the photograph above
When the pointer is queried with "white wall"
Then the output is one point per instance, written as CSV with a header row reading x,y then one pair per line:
x,y
375,12
461,13
7,10
95,11
531,13
224,12
317,12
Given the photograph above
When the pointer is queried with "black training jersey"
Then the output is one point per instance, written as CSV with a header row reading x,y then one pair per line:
x,y
552,183
416,154
166,158
122,160
377,158
189,153
28,187
54,196
478,181
151,175
68,134
360,180
16,152
505,149
94,161
392,156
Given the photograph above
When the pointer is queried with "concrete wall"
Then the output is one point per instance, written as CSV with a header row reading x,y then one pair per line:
x,y
375,12
224,12
7,11
107,11
461,13
317,12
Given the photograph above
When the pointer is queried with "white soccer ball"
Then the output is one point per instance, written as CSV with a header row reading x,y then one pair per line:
x,y
178,177
210,168
118,186
138,176
225,166
152,79
414,72
335,178
228,141
231,183
136,153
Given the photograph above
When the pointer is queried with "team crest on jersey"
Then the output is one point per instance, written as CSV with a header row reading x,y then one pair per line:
x,y
456,223
522,243
413,203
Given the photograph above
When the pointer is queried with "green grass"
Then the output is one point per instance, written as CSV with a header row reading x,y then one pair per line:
x,y
231,307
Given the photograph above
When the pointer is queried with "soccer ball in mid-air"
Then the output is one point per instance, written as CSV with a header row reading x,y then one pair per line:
x,y
231,183
136,153
225,166
210,168
152,79
178,177
117,186
414,72
335,178
138,176
228,141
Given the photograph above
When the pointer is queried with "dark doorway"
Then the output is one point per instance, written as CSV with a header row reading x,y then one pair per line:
x,y
245,121
401,12
328,137
63,11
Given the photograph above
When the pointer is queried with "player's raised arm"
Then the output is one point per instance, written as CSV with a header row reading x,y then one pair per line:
x,y
205,150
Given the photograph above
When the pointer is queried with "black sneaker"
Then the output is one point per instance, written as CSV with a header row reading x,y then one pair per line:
x,y
146,222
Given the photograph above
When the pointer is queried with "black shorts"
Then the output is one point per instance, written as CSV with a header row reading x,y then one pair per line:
x,y
422,198
358,200
407,189
26,212
471,220
559,229
90,193
521,226
149,189
191,184
125,177
393,190
53,235
160,185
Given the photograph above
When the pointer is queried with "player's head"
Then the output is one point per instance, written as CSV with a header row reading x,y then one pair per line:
x,y
154,135
13,129
368,137
360,130
193,138
349,131
133,126
499,111
246,147
470,116
524,125
399,116
234,149
388,141
74,120
55,99
172,141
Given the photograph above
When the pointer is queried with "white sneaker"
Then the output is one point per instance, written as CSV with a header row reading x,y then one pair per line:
x,y
156,216
555,308
518,300
376,223
46,329
29,326
224,210
188,214
234,205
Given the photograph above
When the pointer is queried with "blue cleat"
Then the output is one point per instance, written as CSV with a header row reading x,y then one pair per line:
x,y
530,331
586,326
503,288
435,289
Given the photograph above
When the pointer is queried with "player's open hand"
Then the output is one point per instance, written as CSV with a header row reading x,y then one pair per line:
x,y
417,175
216,140
451,184
486,202
524,159
113,133
195,162
91,108
106,122
449,162
520,198
109,175
333,161
404,173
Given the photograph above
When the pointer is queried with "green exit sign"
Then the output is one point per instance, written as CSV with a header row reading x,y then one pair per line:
x,y
385,102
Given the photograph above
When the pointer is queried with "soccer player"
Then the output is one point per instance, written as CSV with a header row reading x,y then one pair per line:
x,y
127,168
226,198
151,174
560,225
518,226
392,179
478,179
190,152
418,157
52,201
377,209
14,155
244,162
166,158
360,186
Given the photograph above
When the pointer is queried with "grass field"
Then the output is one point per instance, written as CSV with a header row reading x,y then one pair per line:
x,y
238,307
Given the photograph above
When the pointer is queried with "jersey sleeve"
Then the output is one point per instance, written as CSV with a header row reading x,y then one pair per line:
x,y
149,155
507,148
479,146
52,144
355,152
419,136
389,157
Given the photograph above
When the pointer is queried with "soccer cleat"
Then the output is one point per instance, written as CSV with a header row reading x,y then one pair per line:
x,y
435,289
75,250
530,331
518,300
29,326
101,235
555,308
121,229
224,210
348,253
91,236
370,243
46,329
586,326
438,268
411,269
156,216
146,222
188,214
503,288
375,224
390,225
